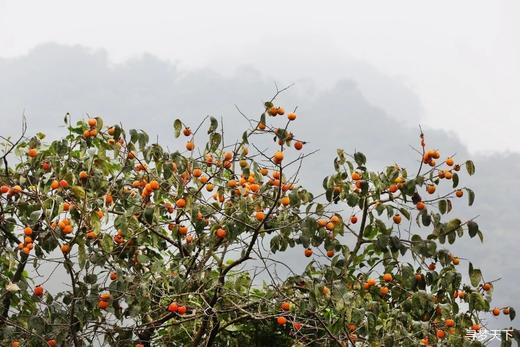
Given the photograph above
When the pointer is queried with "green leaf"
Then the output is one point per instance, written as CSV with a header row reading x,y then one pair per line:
x,y
409,186
472,228
451,237
325,182
245,137
275,243
99,123
328,194
405,213
143,259
233,328
78,191
455,179
106,243
262,118
143,140
477,302
360,158
444,257
95,223
352,200
471,196
392,173
407,275
426,218
475,275
370,231
213,125
215,139
453,224
336,164
341,156
91,278
443,206
470,167
34,216
305,241
382,242
380,208
177,126
133,135
82,257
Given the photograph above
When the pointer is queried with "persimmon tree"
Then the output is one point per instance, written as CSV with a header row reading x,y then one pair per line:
x,y
186,246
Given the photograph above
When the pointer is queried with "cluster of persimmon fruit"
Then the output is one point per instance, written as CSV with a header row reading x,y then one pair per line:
x,y
239,186
27,245
10,191
104,299
429,158
383,290
285,308
274,111
243,186
448,327
92,132
17,189
176,308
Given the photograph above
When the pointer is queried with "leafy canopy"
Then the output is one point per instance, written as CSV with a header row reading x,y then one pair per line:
x,y
172,248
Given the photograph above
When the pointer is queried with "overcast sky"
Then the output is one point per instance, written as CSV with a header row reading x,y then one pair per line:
x,y
461,58
369,71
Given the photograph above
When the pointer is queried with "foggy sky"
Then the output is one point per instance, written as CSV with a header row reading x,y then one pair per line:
x,y
460,59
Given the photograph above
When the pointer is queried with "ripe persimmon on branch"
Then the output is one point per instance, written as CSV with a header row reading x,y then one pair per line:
x,y
189,247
